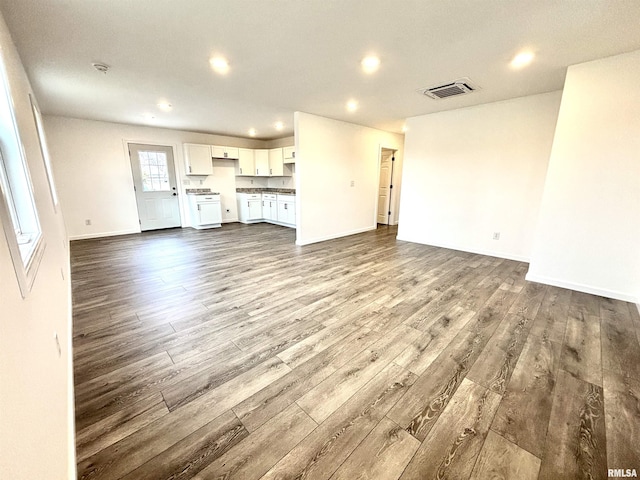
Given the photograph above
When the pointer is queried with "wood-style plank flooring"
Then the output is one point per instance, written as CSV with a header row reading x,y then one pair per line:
x,y
234,354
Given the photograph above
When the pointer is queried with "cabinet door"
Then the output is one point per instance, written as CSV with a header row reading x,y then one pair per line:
x,y
287,212
243,209
217,151
255,209
262,163
198,159
291,212
270,211
276,162
289,154
231,152
246,162
210,213
283,214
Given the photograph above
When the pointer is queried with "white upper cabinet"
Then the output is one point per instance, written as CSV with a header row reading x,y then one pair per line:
x,y
218,151
198,159
262,162
289,154
246,162
276,162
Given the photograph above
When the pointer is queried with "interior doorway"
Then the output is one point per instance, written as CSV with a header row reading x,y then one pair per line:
x,y
154,180
385,186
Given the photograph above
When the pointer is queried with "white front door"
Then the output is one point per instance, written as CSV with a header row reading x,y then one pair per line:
x,y
154,179
384,190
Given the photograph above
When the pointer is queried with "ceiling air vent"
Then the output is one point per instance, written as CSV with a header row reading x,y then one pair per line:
x,y
460,87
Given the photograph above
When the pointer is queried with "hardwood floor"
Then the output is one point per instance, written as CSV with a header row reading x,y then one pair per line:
x,y
233,353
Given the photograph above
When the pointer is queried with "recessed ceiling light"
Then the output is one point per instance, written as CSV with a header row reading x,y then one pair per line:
x,y
279,125
252,132
370,64
352,105
522,59
165,106
219,65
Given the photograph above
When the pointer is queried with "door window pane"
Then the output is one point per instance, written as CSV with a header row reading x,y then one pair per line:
x,y
154,171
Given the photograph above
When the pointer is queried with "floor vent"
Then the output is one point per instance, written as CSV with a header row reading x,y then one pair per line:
x,y
460,87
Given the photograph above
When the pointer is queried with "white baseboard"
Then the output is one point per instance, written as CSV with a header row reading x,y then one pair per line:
x,y
334,236
103,234
579,287
489,253
281,224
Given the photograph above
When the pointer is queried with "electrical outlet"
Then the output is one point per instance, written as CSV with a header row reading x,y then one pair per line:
x,y
87,221
496,235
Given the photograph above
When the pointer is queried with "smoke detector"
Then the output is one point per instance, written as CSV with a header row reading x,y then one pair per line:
x,y
462,86
101,67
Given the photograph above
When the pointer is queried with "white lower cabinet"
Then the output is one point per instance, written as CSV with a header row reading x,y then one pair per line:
x,y
205,211
249,207
209,213
267,207
270,207
287,209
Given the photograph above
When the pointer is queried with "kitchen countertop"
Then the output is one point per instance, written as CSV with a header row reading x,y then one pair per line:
x,y
200,191
287,191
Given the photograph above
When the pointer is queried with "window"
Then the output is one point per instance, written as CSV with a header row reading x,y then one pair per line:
x,y
45,151
17,207
154,172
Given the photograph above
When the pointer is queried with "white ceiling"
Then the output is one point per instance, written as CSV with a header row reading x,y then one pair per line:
x,y
288,55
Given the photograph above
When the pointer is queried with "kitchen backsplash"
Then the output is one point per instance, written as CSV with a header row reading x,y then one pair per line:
x,y
252,182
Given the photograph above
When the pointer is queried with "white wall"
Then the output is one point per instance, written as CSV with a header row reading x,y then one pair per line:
x,y
474,171
37,437
588,234
92,165
330,155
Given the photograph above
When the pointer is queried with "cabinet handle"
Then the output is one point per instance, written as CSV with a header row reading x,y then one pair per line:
x,y
198,207
285,206
263,204
293,154
271,171
189,168
257,171
241,171
225,154
248,205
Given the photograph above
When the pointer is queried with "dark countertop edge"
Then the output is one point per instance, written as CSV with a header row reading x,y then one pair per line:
x,y
284,191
